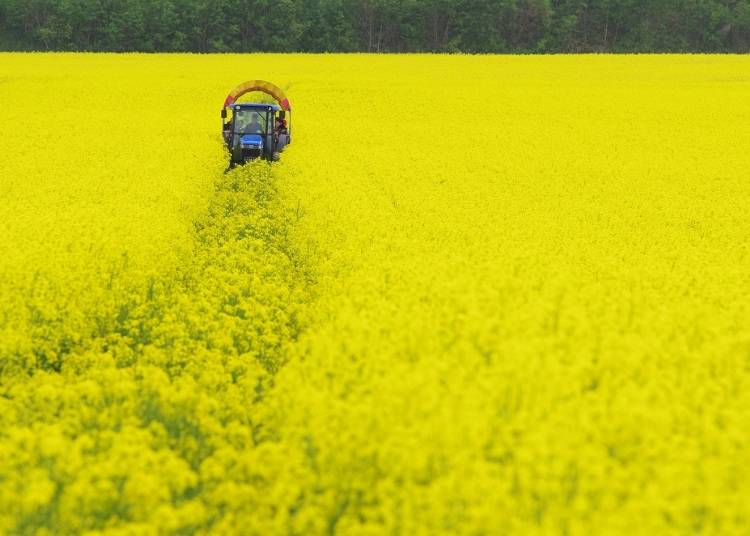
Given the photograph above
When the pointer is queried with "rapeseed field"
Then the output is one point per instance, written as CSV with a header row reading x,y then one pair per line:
x,y
478,295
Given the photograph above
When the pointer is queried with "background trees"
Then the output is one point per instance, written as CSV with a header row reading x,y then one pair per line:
x,y
377,25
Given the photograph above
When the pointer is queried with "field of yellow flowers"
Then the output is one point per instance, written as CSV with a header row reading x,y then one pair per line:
x,y
478,295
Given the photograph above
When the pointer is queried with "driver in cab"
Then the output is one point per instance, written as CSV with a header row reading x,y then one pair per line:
x,y
249,123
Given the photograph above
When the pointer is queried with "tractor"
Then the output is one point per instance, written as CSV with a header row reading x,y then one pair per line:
x,y
255,130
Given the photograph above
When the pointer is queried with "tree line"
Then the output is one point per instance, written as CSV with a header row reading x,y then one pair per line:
x,y
471,26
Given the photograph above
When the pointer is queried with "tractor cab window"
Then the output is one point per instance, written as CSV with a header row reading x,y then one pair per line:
x,y
249,122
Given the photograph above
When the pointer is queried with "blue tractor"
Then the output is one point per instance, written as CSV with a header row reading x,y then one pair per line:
x,y
256,130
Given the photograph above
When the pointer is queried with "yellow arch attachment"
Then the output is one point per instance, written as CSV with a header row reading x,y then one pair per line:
x,y
259,85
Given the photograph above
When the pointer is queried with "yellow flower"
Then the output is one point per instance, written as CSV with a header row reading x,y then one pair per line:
x,y
477,295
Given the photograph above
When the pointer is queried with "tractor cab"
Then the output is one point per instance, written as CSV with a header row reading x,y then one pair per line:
x,y
255,130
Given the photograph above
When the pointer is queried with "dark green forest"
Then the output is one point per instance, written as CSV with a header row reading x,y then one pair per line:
x,y
472,26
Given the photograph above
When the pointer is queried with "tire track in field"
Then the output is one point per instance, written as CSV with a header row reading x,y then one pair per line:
x,y
155,414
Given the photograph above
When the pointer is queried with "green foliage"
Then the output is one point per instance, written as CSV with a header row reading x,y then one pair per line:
x,y
377,25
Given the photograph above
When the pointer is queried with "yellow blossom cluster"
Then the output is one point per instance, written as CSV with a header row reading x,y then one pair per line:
x,y
478,295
